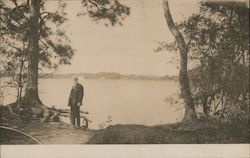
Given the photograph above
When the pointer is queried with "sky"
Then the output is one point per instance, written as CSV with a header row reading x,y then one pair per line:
x,y
126,49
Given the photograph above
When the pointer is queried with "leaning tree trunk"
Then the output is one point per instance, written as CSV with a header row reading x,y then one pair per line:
x,y
190,114
31,92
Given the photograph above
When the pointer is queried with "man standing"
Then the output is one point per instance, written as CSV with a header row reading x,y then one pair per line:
x,y
75,101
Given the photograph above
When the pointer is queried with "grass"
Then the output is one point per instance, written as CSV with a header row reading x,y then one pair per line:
x,y
179,133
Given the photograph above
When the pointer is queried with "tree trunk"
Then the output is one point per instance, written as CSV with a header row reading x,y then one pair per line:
x,y
190,114
31,92
31,98
205,105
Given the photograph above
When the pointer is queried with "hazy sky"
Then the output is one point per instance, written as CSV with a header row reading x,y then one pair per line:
x,y
125,49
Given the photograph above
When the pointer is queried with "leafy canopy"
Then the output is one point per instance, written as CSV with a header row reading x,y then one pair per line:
x,y
112,12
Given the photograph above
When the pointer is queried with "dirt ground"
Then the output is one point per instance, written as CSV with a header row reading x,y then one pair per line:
x,y
46,133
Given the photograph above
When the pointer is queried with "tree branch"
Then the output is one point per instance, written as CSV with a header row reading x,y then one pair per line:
x,y
94,3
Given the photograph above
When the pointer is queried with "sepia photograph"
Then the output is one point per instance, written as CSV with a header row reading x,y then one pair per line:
x,y
124,72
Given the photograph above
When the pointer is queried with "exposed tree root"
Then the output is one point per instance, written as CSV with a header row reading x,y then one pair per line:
x,y
190,115
37,111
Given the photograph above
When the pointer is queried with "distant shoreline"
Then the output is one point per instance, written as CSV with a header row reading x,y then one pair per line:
x,y
110,75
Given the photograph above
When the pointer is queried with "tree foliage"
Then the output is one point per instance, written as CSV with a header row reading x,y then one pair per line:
x,y
112,12
17,37
218,38
53,43
221,43
32,38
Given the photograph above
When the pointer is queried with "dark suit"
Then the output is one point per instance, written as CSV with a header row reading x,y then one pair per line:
x,y
75,97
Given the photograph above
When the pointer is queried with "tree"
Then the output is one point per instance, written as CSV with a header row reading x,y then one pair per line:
x,y
190,114
218,38
29,24
26,33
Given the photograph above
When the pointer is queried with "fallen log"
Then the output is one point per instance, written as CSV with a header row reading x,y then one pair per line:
x,y
81,116
67,110
47,114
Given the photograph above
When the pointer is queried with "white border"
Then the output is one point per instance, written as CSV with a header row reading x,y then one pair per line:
x,y
126,151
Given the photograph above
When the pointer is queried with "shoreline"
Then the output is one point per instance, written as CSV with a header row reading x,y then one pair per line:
x,y
202,132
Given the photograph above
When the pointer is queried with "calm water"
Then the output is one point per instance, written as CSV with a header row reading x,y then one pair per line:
x,y
127,101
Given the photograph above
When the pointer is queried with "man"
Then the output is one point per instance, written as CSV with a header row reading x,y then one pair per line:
x,y
75,101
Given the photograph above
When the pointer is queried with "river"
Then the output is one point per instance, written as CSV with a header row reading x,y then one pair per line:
x,y
122,101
